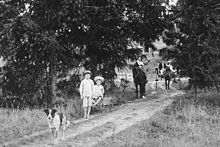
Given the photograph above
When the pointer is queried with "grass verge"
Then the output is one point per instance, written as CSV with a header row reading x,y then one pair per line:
x,y
189,122
18,123
15,123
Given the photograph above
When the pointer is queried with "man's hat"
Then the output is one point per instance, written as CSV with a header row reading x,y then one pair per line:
x,y
99,78
87,72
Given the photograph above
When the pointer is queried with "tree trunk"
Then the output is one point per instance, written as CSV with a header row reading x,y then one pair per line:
x,y
53,75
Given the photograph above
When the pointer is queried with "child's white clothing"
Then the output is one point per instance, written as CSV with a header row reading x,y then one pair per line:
x,y
97,94
86,88
86,92
87,102
98,91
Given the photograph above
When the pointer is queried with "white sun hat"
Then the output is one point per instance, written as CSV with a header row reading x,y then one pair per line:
x,y
87,72
99,78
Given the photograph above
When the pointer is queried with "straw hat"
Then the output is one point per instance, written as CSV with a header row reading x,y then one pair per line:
x,y
99,78
87,72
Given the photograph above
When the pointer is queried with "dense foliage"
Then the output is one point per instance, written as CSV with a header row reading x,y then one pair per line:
x,y
41,39
196,39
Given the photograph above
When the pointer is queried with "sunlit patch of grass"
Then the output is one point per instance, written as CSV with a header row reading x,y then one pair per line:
x,y
16,123
189,121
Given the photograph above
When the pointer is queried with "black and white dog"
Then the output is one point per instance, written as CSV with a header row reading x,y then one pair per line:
x,y
57,122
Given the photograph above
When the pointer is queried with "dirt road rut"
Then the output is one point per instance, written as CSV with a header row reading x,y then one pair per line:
x,y
87,133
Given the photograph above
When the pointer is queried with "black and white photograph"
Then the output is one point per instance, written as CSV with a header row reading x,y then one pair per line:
x,y
109,73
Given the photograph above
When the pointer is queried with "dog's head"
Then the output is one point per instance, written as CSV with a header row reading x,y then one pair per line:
x,y
50,113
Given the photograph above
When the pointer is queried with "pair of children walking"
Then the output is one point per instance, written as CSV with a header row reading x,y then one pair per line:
x,y
90,93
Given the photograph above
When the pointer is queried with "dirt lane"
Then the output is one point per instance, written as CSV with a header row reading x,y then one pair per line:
x,y
87,133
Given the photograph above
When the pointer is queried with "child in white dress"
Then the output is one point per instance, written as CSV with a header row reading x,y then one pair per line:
x,y
98,90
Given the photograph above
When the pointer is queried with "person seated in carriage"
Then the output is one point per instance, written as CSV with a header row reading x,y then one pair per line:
x,y
173,70
98,91
169,64
163,66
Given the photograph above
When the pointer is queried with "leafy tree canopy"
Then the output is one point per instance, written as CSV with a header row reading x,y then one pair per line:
x,y
40,38
195,38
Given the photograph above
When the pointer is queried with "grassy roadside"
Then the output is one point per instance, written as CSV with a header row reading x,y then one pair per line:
x,y
189,122
18,123
15,123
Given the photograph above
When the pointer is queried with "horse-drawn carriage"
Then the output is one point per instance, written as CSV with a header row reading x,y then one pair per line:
x,y
167,72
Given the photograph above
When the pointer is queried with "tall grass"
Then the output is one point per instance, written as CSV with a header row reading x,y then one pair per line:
x,y
189,122
15,123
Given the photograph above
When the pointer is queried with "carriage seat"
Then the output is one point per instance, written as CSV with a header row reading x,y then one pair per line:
x,y
105,101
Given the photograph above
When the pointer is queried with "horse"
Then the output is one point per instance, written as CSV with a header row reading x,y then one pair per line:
x,y
162,67
167,75
140,80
